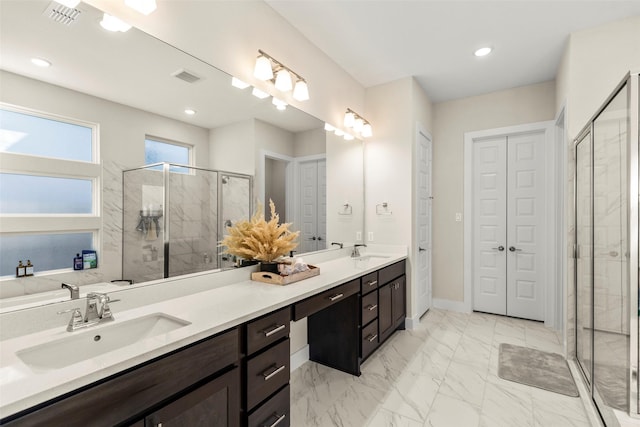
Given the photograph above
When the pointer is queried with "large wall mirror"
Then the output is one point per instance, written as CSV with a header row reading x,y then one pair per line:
x,y
131,86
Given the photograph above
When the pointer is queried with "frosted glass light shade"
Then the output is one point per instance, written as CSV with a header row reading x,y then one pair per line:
x,y
358,124
280,105
263,69
329,128
283,81
143,6
111,23
236,82
348,137
259,94
349,119
301,91
367,130
339,132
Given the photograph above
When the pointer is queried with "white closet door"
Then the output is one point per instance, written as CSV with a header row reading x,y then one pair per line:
x,y
423,214
322,205
489,225
525,226
308,206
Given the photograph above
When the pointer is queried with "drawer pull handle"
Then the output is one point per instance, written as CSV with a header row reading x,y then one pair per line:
x,y
276,371
276,328
279,419
372,307
372,283
336,296
372,338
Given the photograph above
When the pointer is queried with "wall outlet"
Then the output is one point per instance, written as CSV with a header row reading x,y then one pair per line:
x,y
371,236
358,236
458,216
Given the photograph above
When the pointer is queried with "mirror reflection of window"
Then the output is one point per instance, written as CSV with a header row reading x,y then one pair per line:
x,y
158,150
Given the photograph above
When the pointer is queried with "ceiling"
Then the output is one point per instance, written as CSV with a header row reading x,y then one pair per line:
x,y
378,41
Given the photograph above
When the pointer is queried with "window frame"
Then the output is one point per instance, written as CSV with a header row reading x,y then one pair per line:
x,y
30,164
190,148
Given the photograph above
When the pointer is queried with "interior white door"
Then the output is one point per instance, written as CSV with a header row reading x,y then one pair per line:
x,y
313,205
423,217
525,226
489,225
508,225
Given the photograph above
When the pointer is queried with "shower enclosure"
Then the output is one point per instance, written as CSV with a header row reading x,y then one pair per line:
x,y
606,262
175,215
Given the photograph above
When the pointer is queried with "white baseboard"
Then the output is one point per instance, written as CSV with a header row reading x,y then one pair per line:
x,y
411,323
299,358
446,304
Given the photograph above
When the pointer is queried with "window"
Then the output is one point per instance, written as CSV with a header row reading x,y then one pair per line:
x,y
49,181
158,151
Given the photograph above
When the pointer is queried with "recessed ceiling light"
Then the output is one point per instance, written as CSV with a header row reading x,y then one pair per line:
x,y
189,111
40,62
483,51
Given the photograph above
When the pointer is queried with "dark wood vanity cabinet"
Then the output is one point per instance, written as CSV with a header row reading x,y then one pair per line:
x,y
266,367
200,379
392,309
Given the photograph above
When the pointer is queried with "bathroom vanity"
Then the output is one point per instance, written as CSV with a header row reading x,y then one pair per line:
x,y
223,356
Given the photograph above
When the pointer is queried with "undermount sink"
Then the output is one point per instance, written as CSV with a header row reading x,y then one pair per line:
x,y
92,342
369,257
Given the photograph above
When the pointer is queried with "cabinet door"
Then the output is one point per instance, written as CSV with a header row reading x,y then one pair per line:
x,y
216,403
398,301
385,316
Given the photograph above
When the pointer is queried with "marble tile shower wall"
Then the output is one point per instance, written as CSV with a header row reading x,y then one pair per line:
x,y
610,235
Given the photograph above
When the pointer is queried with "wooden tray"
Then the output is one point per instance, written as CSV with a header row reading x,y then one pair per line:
x,y
276,279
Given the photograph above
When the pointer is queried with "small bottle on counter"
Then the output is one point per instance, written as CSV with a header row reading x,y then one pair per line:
x,y
20,270
28,270
77,262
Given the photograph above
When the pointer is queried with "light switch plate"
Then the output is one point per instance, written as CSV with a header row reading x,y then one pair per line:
x,y
358,236
458,216
371,236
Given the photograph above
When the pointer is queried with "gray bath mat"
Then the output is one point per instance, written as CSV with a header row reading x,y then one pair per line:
x,y
548,371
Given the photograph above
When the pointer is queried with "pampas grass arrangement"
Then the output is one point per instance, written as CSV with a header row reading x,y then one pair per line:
x,y
260,240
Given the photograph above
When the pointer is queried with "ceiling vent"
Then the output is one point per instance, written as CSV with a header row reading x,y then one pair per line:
x,y
62,14
187,76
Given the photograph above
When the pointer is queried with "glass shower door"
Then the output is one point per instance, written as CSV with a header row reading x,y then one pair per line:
x,y
584,255
611,255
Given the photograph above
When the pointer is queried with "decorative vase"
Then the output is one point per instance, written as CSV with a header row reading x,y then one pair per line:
x,y
271,267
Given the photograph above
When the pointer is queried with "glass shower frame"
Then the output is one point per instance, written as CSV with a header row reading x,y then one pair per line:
x,y
161,217
629,278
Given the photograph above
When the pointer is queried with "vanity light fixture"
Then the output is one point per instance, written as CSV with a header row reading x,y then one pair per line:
x,y
358,123
483,51
111,23
348,137
40,62
259,94
280,105
69,3
329,128
265,67
143,6
189,111
236,82
339,132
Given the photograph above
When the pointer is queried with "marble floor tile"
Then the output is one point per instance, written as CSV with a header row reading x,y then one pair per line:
x,y
442,374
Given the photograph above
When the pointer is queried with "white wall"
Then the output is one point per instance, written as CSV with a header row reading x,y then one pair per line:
x,y
122,131
225,144
452,119
310,142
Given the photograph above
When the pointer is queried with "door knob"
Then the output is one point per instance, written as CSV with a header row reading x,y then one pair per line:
x,y
421,249
513,249
319,238
500,248
313,238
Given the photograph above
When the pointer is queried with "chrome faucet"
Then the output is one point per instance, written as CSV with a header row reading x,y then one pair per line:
x,y
356,252
93,315
75,291
337,244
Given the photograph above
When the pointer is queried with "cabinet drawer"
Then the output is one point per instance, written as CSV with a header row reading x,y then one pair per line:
x,y
267,330
126,395
266,373
390,272
369,338
274,412
318,302
369,282
369,307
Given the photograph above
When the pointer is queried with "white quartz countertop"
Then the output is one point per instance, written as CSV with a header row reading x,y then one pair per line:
x,y
209,312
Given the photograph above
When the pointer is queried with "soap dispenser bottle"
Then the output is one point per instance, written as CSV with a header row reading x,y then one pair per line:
x,y
28,270
20,270
77,262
